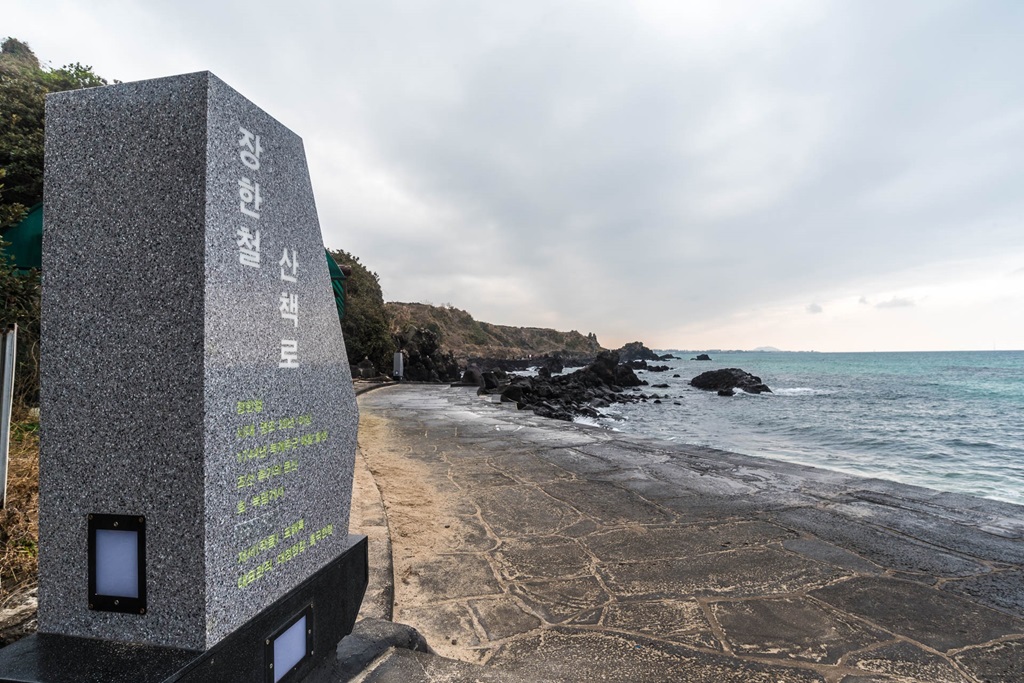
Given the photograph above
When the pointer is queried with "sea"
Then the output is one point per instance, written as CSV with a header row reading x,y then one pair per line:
x,y
952,421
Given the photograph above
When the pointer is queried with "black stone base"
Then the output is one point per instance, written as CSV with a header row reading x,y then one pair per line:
x,y
335,592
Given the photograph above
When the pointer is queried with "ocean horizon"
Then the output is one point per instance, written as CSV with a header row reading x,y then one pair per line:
x,y
945,420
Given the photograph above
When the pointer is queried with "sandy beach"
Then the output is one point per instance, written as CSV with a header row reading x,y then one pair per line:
x,y
546,550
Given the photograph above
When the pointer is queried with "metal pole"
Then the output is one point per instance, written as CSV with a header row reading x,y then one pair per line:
x,y
7,358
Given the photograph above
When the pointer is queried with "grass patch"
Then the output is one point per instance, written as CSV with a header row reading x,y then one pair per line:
x,y
19,520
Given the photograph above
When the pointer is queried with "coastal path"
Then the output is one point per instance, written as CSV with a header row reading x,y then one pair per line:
x,y
554,551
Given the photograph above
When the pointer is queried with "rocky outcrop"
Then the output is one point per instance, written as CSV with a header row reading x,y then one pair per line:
x,y
644,365
423,358
364,370
606,369
487,380
726,381
636,351
552,364
702,356
582,392
18,614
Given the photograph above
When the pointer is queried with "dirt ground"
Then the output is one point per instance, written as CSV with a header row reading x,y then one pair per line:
x,y
19,533
422,518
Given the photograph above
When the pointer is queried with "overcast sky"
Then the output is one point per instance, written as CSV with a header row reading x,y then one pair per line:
x,y
837,176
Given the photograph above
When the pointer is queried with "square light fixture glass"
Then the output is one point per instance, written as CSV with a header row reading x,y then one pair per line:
x,y
117,563
289,647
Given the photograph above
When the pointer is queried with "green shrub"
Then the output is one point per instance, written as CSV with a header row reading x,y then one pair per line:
x,y
366,325
23,88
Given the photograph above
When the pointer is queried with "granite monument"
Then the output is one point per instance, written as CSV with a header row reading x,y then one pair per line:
x,y
198,415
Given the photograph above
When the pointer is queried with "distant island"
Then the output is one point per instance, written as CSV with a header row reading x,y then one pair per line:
x,y
759,349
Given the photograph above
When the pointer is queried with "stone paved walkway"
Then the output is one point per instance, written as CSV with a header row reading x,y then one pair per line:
x,y
561,552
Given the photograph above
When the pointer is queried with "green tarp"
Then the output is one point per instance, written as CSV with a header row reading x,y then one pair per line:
x,y
26,240
338,283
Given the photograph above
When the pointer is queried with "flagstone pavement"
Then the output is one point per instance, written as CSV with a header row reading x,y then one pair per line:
x,y
551,551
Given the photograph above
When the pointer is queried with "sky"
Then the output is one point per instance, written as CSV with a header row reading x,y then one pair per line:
x,y
809,175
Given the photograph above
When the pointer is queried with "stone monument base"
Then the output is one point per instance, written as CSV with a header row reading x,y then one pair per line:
x,y
332,594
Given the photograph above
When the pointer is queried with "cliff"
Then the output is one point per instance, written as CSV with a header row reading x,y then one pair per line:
x,y
459,333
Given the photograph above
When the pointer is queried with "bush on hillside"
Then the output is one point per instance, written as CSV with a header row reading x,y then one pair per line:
x,y
19,305
24,85
366,326
23,88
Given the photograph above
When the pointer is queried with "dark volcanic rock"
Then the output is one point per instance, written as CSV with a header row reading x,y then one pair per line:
x,y
727,380
553,364
636,351
657,368
702,356
577,393
366,368
473,376
606,368
423,358
513,393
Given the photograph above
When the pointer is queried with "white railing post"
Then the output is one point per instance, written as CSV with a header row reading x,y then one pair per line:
x,y
7,359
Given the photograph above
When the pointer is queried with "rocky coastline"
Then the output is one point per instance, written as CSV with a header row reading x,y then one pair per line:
x,y
581,393
607,379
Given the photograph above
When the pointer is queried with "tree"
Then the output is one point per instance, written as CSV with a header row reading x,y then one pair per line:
x,y
24,85
366,325
15,49
10,212
19,304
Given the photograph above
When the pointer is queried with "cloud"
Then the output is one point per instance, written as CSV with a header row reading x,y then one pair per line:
x,y
814,309
597,165
864,301
896,302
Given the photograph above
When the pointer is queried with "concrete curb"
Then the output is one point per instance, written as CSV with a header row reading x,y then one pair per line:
x,y
363,388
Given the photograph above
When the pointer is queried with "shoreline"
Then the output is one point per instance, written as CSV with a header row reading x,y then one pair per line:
x,y
792,458
943,423
750,459
502,527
